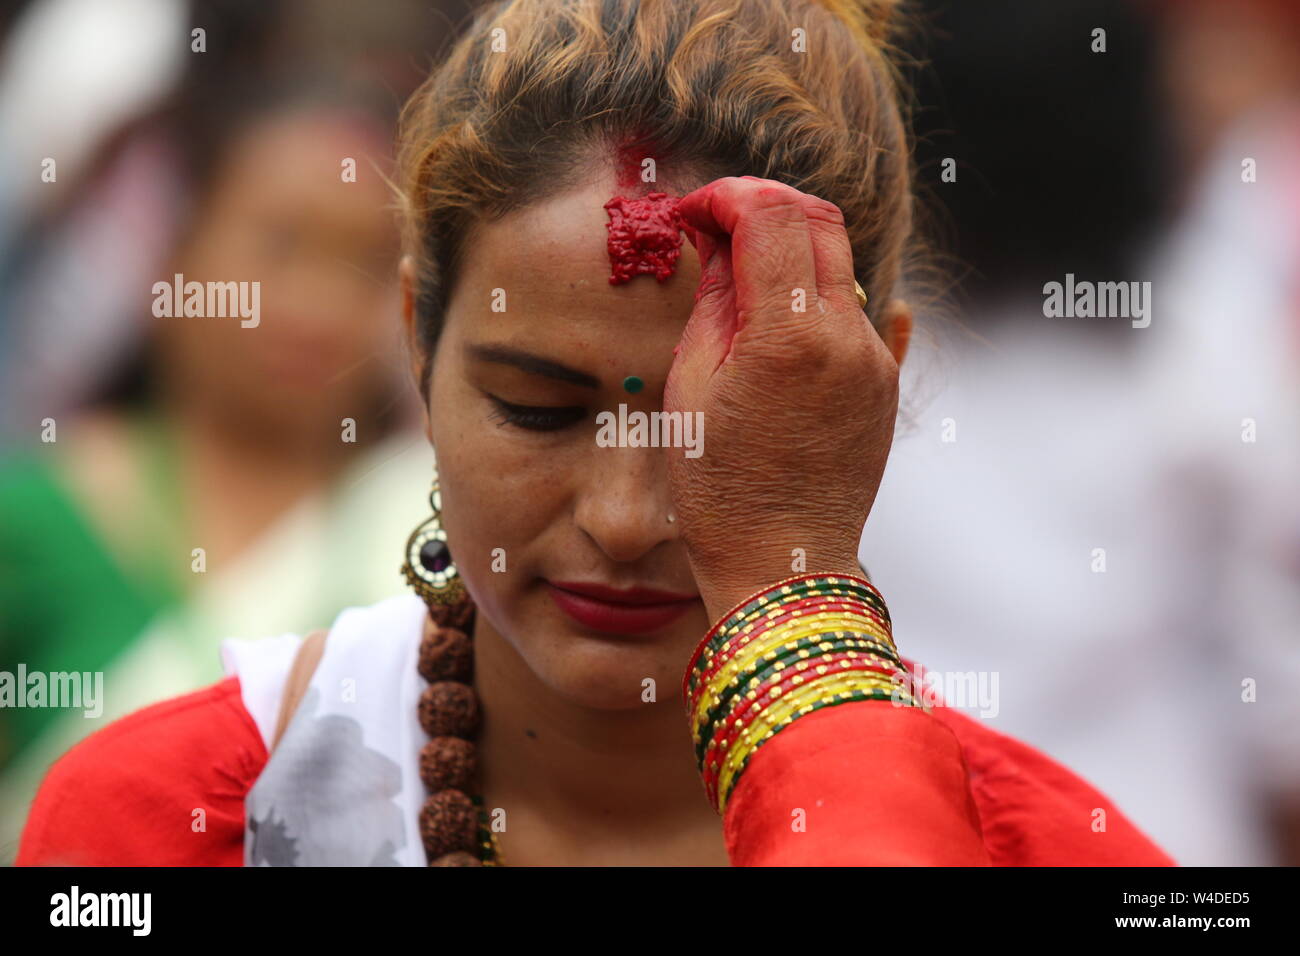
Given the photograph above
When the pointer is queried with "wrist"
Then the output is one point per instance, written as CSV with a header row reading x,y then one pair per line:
x,y
724,592
805,642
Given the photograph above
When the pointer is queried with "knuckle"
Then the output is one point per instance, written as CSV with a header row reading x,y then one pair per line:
x,y
781,207
770,195
798,349
823,211
865,354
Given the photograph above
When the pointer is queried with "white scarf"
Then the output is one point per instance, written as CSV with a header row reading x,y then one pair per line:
x,y
342,787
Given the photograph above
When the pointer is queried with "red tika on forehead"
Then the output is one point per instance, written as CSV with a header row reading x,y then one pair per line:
x,y
645,236
630,160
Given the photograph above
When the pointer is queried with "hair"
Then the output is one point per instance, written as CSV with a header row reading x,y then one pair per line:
x,y
716,87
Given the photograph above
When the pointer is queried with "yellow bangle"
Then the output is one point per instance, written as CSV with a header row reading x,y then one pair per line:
x,y
784,639
773,717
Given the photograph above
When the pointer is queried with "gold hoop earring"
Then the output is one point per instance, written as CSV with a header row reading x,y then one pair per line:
x,y
428,567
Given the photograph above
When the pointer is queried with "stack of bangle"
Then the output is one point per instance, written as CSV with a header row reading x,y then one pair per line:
x,y
804,643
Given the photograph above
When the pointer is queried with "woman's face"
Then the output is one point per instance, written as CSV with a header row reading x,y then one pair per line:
x,y
513,401
280,213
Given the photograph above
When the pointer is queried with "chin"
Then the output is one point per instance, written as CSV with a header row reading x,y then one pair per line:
x,y
603,674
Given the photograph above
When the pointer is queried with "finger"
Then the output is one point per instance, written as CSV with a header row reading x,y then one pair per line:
x,y
771,247
832,251
833,255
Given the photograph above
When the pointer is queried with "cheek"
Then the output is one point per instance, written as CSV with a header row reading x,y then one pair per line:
x,y
498,492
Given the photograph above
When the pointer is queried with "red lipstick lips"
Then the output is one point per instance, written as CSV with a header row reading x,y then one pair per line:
x,y
611,611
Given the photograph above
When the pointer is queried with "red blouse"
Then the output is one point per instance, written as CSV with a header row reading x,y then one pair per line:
x,y
860,783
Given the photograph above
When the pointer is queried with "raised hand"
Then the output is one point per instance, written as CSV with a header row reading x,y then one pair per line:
x,y
798,406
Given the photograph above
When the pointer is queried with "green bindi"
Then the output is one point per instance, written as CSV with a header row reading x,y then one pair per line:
x,y
632,384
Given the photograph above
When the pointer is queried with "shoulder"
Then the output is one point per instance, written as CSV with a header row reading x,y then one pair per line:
x,y
162,786
1036,812
166,785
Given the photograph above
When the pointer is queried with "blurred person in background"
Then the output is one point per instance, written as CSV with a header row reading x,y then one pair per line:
x,y
281,449
1223,379
1082,485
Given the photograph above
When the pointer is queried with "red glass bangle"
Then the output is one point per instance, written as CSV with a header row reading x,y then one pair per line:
x,y
724,619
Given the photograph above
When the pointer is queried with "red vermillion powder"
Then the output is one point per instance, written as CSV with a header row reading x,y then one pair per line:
x,y
645,236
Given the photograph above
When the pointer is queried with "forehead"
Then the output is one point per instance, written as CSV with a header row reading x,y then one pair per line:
x,y
289,164
551,259
317,137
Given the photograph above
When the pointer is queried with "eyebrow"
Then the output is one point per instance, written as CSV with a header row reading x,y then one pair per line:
x,y
534,364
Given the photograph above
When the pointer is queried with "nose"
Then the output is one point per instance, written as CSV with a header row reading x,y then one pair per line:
x,y
624,506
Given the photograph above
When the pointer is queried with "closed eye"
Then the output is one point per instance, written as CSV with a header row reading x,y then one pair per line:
x,y
536,418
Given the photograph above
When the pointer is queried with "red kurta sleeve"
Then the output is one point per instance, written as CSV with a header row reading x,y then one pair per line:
x,y
1035,811
867,783
164,786
863,783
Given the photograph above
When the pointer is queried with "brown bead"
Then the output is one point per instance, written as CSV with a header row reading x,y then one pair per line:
x,y
446,654
448,763
459,858
449,709
458,615
448,822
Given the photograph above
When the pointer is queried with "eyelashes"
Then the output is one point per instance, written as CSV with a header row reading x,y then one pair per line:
x,y
536,418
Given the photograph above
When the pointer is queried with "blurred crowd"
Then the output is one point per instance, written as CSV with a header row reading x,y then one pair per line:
x,y
166,485
1106,516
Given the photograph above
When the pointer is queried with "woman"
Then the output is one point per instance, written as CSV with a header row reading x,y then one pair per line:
x,y
531,714
219,436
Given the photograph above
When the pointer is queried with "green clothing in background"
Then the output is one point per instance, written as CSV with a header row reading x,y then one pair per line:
x,y
150,621
66,604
